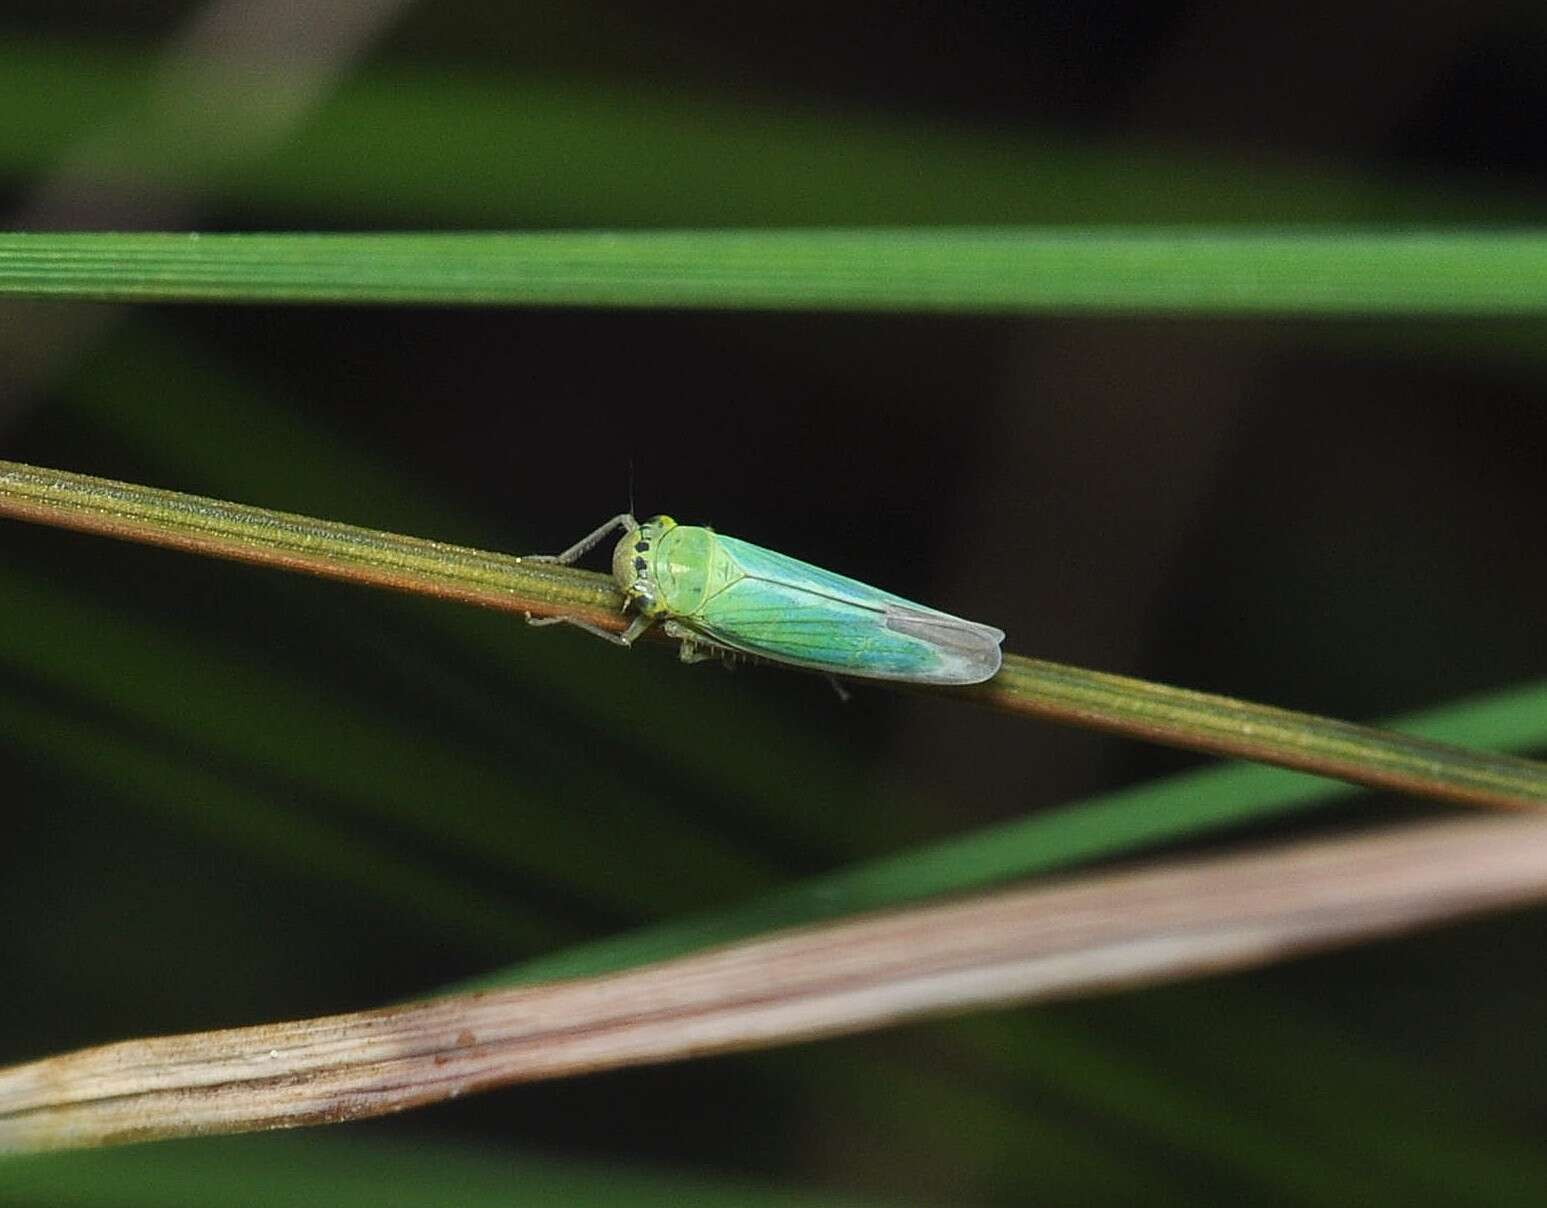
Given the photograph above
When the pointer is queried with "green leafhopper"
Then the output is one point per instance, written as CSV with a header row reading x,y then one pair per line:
x,y
721,595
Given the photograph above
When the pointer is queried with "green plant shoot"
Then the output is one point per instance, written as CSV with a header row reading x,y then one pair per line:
x,y
722,597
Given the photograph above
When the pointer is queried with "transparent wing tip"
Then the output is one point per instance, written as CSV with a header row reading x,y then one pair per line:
x,y
969,651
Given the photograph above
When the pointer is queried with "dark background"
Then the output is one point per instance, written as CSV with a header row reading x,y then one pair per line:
x,y
1343,516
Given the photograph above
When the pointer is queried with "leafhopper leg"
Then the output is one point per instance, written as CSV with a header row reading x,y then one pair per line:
x,y
636,627
589,542
696,648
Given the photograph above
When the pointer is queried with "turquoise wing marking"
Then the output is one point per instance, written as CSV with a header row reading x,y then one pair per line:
x,y
759,563
793,612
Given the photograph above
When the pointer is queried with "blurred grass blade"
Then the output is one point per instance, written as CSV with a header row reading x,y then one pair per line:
x,y
545,825
1189,804
344,1170
1402,1125
289,838
593,148
1029,1147
1158,270
1228,1109
1088,935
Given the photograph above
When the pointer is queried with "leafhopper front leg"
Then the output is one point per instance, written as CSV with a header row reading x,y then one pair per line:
x,y
623,520
627,638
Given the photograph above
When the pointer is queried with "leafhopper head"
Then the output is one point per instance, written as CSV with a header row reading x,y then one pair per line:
x,y
633,564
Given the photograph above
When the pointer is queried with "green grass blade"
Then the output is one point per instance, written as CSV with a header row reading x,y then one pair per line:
x,y
1040,689
1181,806
1206,722
1159,270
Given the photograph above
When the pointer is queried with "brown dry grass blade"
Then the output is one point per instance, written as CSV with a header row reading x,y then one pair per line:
x,y
1176,920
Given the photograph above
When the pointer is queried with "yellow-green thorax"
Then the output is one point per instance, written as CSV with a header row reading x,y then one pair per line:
x,y
668,569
